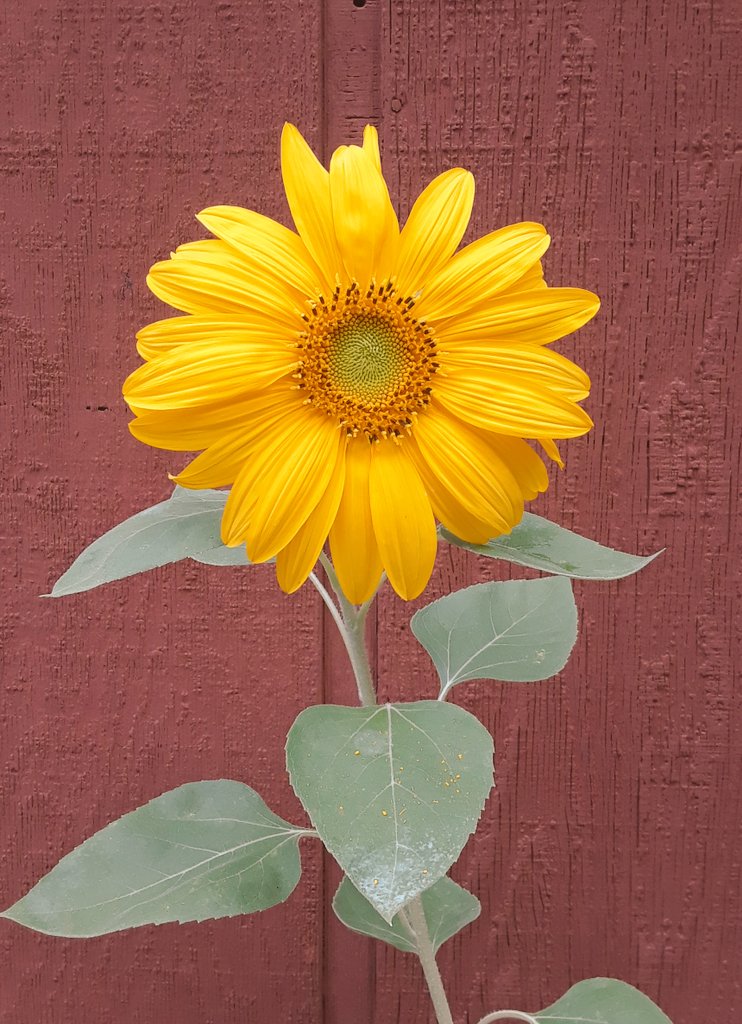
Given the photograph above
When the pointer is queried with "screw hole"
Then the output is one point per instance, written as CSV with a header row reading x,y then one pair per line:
x,y
359,3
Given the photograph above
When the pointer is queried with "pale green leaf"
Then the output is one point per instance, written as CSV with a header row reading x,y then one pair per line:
x,y
518,631
187,525
394,791
602,1001
204,850
539,544
447,907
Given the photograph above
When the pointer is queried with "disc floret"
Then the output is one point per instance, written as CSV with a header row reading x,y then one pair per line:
x,y
367,360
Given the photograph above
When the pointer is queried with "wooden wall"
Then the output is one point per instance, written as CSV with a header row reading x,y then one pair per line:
x,y
612,842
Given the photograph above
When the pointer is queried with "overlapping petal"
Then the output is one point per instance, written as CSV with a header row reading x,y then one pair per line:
x,y
534,317
165,336
434,229
208,277
298,558
265,246
511,406
403,519
355,552
482,270
531,363
465,462
193,376
307,186
366,225
282,484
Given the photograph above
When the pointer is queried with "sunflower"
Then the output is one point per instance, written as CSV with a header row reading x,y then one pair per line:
x,y
355,381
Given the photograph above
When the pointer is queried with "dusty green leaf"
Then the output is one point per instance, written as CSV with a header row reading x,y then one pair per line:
x,y
447,907
204,850
539,544
187,525
602,1001
393,791
518,631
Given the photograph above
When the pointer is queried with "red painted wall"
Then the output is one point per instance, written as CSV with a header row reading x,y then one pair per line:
x,y
612,842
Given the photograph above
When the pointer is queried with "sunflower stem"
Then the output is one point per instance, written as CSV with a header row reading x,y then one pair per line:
x,y
416,918
351,623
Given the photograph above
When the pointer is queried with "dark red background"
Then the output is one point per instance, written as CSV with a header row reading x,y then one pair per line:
x,y
612,843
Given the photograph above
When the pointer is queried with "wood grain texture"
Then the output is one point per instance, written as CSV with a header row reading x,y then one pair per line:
x,y
612,843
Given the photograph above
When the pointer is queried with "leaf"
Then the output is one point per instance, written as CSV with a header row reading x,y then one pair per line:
x,y
448,908
518,631
540,544
204,850
603,1001
393,791
187,525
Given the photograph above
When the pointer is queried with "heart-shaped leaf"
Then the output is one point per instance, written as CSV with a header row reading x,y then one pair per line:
x,y
206,849
394,791
602,1001
540,544
447,907
518,631
187,525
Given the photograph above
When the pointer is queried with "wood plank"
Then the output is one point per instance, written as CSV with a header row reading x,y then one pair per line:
x,y
121,121
608,846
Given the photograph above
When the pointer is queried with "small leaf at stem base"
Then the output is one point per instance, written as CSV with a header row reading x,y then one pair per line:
x,y
448,908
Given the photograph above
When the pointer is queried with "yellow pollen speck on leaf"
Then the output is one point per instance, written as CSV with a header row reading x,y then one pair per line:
x,y
385,814
356,753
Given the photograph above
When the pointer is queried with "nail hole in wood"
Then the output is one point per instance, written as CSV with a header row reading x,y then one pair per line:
x,y
359,3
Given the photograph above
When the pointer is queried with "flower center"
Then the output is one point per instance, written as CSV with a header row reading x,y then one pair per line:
x,y
367,360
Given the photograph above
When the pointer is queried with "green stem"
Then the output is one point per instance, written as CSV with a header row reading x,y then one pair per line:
x,y
426,953
351,623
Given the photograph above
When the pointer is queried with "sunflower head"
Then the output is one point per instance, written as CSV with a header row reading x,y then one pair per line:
x,y
352,381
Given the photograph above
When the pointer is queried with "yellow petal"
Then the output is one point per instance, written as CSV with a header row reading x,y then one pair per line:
x,y
298,558
551,450
187,430
371,145
534,364
203,374
307,186
447,507
218,466
355,552
532,279
481,270
266,245
190,430
291,475
165,336
434,229
365,222
403,519
508,405
535,317
465,462
523,463
209,277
